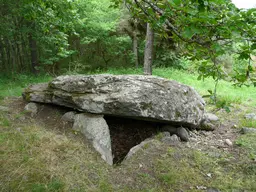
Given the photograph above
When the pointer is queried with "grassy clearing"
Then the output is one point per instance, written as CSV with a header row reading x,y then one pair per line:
x,y
13,86
36,158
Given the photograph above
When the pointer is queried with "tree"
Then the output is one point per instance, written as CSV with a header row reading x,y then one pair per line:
x,y
206,29
34,33
148,55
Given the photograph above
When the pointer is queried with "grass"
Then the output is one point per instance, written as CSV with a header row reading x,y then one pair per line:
x,y
193,169
247,141
248,123
13,86
40,160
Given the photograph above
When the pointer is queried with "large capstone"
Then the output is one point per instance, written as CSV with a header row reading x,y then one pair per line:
x,y
133,96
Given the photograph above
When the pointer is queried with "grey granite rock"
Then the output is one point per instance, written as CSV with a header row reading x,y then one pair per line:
x,y
134,96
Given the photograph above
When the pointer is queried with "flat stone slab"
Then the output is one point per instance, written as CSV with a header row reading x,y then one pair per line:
x,y
133,96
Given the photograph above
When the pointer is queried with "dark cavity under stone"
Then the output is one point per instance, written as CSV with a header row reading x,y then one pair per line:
x,y
126,133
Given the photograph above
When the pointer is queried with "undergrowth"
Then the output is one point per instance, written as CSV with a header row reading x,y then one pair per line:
x,y
15,84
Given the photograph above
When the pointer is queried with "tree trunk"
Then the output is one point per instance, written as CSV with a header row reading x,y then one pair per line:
x,y
135,44
33,54
135,51
2,56
148,53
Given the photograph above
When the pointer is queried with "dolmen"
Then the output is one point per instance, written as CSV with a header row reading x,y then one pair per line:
x,y
147,98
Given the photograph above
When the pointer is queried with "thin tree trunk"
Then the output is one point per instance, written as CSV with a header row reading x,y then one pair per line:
x,y
135,44
7,52
2,56
148,53
33,54
135,51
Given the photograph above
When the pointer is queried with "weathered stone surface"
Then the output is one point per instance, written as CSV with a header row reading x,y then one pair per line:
x,y
228,142
139,147
207,126
171,140
210,117
209,122
134,96
95,129
250,116
31,108
179,131
183,134
246,130
69,116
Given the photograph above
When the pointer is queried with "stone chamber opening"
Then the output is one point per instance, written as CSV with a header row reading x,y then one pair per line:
x,y
126,133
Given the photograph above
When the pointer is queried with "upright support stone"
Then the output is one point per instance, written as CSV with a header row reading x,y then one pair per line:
x,y
95,129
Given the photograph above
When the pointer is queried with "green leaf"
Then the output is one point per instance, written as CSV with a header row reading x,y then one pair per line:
x,y
253,46
244,55
210,91
177,2
188,33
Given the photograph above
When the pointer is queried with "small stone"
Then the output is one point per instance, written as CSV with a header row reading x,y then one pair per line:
x,y
171,140
245,130
228,142
250,116
209,175
174,138
69,116
211,117
18,129
193,135
193,139
183,134
31,108
234,126
166,134
207,126
201,187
